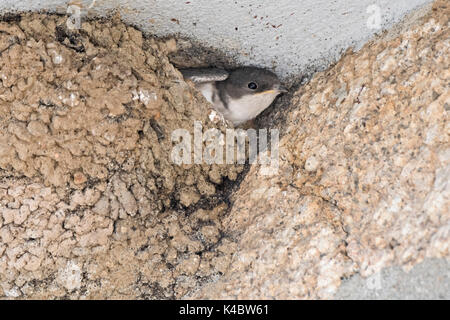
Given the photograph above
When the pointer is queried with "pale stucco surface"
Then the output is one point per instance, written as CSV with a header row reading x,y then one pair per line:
x,y
291,37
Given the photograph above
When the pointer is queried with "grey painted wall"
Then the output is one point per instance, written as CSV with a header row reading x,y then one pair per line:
x,y
288,36
429,280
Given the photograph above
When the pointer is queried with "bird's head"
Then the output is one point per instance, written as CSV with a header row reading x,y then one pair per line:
x,y
252,81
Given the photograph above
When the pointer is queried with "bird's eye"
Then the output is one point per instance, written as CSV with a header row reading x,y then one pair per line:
x,y
252,86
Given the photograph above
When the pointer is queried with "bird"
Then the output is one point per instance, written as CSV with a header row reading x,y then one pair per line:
x,y
240,94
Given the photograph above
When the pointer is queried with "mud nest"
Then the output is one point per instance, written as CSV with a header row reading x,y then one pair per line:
x,y
86,177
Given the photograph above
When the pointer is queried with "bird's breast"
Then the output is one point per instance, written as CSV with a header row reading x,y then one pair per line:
x,y
249,107
211,94
208,90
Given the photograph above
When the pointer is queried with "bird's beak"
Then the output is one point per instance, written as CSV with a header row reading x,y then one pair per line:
x,y
276,89
281,89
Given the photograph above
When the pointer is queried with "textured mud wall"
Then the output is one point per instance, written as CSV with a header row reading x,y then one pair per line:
x,y
88,192
364,174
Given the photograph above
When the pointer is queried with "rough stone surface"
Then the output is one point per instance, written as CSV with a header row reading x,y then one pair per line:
x,y
91,204
364,174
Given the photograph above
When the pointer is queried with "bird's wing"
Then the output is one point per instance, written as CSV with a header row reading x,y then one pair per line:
x,y
204,75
